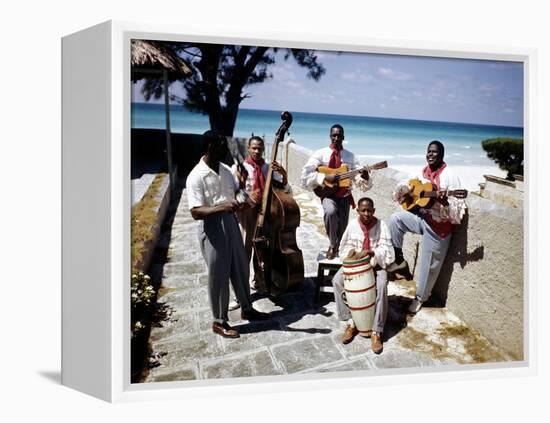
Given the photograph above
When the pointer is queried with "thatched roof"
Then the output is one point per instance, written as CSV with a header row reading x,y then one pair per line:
x,y
153,55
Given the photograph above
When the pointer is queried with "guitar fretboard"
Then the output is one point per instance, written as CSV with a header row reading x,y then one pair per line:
x,y
425,194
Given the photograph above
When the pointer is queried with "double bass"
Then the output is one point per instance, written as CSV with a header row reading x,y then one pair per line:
x,y
278,262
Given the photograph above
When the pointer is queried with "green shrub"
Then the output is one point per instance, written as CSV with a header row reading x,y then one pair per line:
x,y
507,154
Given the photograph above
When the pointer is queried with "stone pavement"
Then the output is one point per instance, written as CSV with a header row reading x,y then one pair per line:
x,y
301,336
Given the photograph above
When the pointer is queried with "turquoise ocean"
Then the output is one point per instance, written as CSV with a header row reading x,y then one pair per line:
x,y
401,142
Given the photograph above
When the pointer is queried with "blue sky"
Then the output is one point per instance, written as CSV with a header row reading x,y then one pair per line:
x,y
405,87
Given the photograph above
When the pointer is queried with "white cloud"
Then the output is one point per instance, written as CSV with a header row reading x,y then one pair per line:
x,y
395,75
357,76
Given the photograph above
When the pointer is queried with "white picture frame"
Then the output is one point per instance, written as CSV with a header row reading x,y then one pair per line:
x,y
96,228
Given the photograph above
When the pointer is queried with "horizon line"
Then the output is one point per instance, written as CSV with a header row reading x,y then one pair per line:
x,y
348,115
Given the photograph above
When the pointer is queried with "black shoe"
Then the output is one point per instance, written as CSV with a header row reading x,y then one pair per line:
x,y
254,314
331,253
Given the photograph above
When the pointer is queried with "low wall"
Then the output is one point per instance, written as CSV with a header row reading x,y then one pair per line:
x,y
503,191
163,197
482,278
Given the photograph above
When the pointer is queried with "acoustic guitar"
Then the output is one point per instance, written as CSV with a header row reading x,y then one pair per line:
x,y
423,195
343,177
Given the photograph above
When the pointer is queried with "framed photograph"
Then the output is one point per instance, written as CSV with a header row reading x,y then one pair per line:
x,y
266,211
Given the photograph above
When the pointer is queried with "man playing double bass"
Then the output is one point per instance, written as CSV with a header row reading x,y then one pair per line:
x,y
335,207
256,173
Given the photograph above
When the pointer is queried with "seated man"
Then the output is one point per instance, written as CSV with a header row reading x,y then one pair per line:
x,y
435,223
211,189
366,235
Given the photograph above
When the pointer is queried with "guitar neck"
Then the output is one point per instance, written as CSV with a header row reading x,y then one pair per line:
x,y
449,193
351,173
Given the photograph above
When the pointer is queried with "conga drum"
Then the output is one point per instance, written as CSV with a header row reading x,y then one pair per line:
x,y
360,292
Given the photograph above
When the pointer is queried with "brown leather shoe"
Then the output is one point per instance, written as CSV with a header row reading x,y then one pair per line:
x,y
376,343
254,314
331,253
349,334
224,330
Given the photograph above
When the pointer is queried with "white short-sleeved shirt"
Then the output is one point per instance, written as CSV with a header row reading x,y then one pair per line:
x,y
208,188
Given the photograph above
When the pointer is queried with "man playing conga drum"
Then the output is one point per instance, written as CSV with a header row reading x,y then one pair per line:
x,y
366,236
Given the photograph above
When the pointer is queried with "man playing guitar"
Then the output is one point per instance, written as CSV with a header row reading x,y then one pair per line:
x,y
434,223
336,206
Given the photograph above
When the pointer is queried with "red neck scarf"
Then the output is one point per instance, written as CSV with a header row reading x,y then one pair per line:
x,y
366,229
442,229
433,176
335,159
259,178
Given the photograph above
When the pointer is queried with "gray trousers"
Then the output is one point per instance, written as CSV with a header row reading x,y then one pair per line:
x,y
247,219
223,250
336,215
434,249
381,307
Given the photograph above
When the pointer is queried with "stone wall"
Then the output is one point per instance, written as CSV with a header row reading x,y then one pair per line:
x,y
482,278
503,191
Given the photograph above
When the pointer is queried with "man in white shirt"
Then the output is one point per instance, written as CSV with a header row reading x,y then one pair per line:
x,y
335,207
366,236
211,189
435,224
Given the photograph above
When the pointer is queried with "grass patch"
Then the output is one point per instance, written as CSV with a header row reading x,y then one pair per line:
x,y
143,221
419,341
475,348
479,349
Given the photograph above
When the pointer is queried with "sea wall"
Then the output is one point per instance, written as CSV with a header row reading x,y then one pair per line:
x,y
503,191
482,277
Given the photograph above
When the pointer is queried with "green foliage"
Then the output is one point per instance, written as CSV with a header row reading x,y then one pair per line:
x,y
222,72
142,295
507,154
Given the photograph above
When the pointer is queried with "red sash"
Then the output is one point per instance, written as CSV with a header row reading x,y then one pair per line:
x,y
442,229
334,163
259,177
